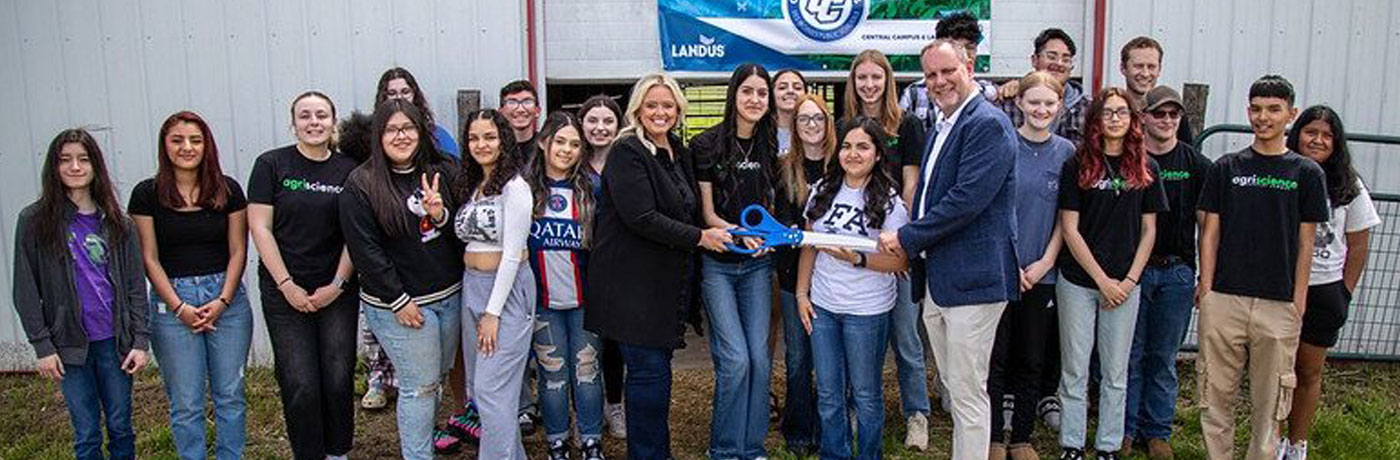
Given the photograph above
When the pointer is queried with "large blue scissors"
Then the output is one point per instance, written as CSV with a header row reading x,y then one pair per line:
x,y
756,222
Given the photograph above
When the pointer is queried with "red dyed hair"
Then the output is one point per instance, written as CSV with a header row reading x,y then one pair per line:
x,y
1133,163
213,190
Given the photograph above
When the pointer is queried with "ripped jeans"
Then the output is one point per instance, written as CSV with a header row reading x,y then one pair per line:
x,y
568,359
422,357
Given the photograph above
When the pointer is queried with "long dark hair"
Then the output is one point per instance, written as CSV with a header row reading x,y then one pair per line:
x,y
880,190
213,189
1341,176
765,130
507,166
1092,164
375,178
49,226
382,93
578,178
604,101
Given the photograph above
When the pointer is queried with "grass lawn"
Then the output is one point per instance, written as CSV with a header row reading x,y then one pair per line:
x,y
1359,419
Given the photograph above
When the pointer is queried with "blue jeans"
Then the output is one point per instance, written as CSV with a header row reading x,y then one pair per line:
x,y
1085,325
99,387
738,302
188,361
850,352
648,393
568,359
422,357
905,321
801,427
1168,294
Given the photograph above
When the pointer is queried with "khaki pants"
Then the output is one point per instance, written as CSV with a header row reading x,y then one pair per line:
x,y
1236,331
961,338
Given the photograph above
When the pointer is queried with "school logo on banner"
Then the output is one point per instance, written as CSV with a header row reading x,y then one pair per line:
x,y
825,20
718,35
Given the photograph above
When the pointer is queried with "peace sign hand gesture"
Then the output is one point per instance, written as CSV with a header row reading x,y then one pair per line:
x,y
432,199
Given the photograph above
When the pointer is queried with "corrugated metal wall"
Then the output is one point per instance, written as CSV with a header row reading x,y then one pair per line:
x,y
121,66
1344,53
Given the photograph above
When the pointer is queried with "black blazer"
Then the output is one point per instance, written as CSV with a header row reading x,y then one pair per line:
x,y
644,238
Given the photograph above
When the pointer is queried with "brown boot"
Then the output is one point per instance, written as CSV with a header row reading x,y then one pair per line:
x,y
1159,449
1126,449
997,451
1023,451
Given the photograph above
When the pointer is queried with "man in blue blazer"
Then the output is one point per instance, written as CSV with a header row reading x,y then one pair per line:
x,y
963,230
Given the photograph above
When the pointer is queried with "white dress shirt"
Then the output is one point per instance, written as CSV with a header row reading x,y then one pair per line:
x,y
945,126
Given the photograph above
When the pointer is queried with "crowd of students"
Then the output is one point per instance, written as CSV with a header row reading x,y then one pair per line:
x,y
1045,241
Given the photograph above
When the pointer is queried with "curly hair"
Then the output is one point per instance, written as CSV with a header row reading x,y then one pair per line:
x,y
508,165
880,190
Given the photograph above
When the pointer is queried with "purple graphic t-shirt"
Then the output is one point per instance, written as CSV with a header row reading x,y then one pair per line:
x,y
90,254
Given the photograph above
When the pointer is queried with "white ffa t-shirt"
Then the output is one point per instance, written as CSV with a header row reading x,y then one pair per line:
x,y
1330,241
838,286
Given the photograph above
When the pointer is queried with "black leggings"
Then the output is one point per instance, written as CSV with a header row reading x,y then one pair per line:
x,y
613,368
1018,358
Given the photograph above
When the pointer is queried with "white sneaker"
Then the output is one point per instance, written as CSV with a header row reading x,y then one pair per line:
x,y
1281,452
1297,451
916,432
616,418
374,398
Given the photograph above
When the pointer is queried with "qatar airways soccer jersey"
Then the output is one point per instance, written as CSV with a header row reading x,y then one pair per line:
x,y
557,254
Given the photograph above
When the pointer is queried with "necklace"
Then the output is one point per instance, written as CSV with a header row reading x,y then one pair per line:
x,y
747,163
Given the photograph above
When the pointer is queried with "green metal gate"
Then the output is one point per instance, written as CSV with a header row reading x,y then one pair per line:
x,y
1372,331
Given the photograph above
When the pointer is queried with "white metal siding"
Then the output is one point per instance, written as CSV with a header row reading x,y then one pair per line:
x,y
122,66
1343,53
619,40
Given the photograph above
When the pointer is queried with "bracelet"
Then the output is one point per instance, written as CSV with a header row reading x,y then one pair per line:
x,y
338,282
226,302
1129,278
284,281
178,307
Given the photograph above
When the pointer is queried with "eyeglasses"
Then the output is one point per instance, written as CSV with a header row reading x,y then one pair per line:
x,y
811,119
527,103
1172,114
1064,59
406,130
1123,112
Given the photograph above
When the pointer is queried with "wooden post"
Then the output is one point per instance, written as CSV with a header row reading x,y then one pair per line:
x,y
468,101
1194,96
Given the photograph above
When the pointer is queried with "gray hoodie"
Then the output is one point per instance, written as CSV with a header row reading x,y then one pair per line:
x,y
48,304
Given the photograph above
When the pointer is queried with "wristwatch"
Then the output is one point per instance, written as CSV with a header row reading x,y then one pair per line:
x,y
860,260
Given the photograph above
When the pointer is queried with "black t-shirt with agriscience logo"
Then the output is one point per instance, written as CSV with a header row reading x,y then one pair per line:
x,y
1110,218
1183,175
1261,201
304,196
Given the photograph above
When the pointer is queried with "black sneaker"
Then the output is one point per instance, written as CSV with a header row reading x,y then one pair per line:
x,y
558,450
528,424
593,450
1108,456
1070,453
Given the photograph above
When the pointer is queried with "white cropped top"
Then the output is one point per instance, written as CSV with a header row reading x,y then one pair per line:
x,y
498,223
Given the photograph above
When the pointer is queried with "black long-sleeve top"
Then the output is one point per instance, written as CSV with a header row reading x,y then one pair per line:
x,y
423,265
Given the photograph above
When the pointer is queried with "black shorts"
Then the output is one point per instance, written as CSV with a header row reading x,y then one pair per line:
x,y
1327,312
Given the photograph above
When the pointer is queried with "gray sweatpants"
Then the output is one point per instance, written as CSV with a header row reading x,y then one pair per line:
x,y
496,379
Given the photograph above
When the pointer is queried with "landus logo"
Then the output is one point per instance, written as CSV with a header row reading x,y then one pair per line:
x,y
825,20
704,48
